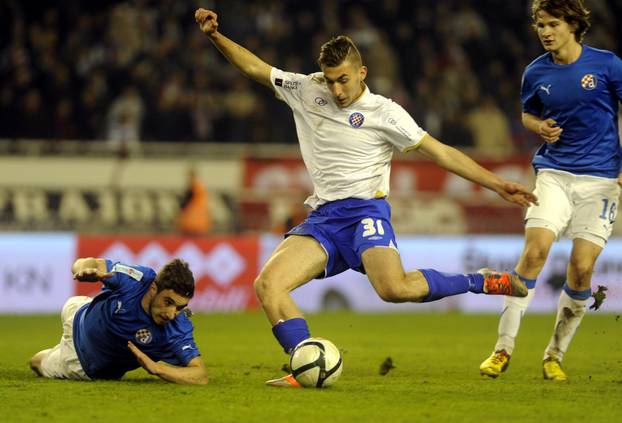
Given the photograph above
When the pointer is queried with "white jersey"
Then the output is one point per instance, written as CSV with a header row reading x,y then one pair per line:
x,y
347,151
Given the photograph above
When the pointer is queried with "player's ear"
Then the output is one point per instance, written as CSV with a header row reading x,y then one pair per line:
x,y
574,27
363,72
153,289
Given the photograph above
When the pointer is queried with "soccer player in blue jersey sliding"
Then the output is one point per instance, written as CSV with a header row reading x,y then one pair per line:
x,y
137,320
347,136
570,98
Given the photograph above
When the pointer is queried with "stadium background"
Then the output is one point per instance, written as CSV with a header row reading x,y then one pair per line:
x,y
106,106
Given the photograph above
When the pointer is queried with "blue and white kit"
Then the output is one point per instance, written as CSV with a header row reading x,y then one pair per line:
x,y
102,328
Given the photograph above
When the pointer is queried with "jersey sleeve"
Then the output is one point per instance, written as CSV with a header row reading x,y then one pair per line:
x,y
126,274
288,86
615,76
183,347
400,128
529,98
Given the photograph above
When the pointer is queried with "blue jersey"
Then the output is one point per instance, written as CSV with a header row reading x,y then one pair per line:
x,y
582,97
102,328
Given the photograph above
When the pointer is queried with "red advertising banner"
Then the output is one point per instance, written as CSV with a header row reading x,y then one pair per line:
x,y
425,198
407,176
224,268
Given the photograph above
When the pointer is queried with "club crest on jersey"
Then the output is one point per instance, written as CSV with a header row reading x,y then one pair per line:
x,y
588,81
143,336
356,119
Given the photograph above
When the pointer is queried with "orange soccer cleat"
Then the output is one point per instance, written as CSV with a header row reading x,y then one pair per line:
x,y
503,283
284,382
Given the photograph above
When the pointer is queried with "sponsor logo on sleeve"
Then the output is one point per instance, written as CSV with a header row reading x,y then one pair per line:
x,y
130,271
288,85
589,82
356,119
291,85
399,128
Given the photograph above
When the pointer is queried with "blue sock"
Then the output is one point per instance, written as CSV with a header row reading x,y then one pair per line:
x,y
443,285
530,283
291,332
577,295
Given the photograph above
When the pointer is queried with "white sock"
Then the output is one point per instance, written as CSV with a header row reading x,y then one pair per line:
x,y
513,310
570,312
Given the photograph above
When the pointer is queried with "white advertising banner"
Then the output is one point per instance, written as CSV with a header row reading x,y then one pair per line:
x,y
462,255
35,272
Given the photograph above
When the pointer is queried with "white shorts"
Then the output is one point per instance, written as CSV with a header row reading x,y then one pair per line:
x,y
62,361
578,206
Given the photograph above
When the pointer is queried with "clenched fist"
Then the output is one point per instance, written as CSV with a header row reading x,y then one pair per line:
x,y
207,20
91,275
549,131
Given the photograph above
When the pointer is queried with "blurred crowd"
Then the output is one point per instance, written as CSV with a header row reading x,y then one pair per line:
x,y
142,70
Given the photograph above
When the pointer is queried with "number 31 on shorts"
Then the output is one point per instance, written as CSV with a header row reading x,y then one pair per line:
x,y
371,227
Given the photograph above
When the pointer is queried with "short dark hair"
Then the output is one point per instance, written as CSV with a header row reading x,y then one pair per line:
x,y
337,50
176,275
571,11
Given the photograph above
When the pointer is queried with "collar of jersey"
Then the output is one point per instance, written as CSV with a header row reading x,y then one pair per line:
x,y
359,100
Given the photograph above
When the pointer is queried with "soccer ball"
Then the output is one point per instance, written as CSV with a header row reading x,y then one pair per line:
x,y
316,362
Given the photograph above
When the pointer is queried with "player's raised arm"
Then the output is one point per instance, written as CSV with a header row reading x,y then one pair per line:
x,y
459,163
249,64
90,269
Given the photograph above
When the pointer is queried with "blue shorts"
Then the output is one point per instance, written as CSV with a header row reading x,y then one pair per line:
x,y
346,228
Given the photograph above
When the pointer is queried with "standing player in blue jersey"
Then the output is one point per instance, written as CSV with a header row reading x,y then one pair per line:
x,y
347,136
137,320
570,98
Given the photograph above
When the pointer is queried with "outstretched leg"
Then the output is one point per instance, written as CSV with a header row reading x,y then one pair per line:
x,y
386,274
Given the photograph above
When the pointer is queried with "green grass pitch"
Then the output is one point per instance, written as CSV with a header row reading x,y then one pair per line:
x,y
436,377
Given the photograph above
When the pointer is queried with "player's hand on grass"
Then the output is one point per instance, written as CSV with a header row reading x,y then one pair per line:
x,y
517,193
91,275
548,130
143,359
207,20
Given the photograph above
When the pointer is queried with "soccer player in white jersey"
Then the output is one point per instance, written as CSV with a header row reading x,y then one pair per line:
x,y
570,98
347,136
136,320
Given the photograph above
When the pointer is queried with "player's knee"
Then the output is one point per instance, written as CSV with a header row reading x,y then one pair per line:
x,y
35,364
264,287
535,256
582,271
260,285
